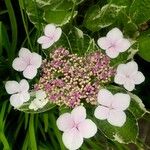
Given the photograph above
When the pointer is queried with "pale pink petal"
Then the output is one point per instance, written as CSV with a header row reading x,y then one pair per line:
x,y
47,45
112,52
12,87
121,101
121,69
119,79
114,35
117,118
57,34
49,30
72,139
65,122
122,45
131,67
36,60
129,85
103,43
78,114
138,77
19,64
24,85
43,40
16,100
25,54
25,96
87,128
105,97
101,112
30,72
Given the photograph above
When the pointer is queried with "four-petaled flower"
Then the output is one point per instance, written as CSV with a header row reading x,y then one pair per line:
x,y
40,101
27,62
128,75
114,43
112,107
19,92
51,35
76,127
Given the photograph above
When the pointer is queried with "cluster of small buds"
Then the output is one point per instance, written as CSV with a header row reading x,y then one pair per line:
x,y
70,80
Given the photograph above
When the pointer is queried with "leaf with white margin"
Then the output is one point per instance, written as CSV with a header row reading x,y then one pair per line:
x,y
125,134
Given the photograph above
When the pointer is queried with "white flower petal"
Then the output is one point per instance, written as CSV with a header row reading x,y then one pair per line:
x,y
105,97
121,101
138,77
72,139
103,43
65,122
38,103
12,87
117,118
119,79
49,30
121,69
129,85
23,85
87,128
114,35
78,114
47,45
101,112
112,53
30,72
19,64
33,106
122,45
16,100
57,34
36,60
43,40
25,96
25,54
40,94
131,67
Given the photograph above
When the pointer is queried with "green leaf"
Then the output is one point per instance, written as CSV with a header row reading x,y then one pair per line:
x,y
25,108
58,17
76,41
136,106
144,51
97,18
125,134
140,11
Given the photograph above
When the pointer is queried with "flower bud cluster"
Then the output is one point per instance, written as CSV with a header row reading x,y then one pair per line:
x,y
70,80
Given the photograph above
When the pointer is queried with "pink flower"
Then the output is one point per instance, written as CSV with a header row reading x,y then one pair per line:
x,y
27,62
76,127
51,35
128,75
19,92
112,107
114,43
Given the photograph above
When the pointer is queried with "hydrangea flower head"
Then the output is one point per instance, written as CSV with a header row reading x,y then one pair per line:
x,y
27,62
76,127
114,43
68,79
51,35
19,92
112,107
128,75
